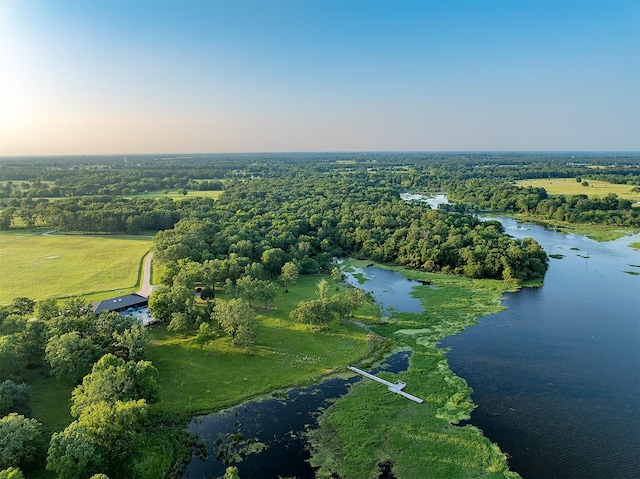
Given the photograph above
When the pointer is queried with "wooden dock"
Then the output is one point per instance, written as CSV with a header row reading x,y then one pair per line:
x,y
396,387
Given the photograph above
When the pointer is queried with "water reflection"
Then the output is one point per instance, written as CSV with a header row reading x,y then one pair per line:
x,y
390,290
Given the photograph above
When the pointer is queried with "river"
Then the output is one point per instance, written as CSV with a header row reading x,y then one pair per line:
x,y
556,376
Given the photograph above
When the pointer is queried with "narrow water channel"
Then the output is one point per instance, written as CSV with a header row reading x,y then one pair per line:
x,y
279,424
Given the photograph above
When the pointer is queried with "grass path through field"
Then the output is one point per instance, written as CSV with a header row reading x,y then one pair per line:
x,y
21,237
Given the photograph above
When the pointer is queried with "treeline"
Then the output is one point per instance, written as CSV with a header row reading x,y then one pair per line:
x,y
104,214
101,184
534,202
480,180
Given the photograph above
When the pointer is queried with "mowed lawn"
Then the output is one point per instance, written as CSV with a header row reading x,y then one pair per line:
x,y
40,267
569,186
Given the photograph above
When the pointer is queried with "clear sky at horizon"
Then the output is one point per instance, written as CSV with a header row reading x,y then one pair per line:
x,y
146,76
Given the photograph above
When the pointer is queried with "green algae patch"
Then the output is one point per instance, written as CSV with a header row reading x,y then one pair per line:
x,y
635,245
371,428
556,256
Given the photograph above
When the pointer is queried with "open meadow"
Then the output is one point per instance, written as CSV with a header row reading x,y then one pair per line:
x,y
569,186
176,194
287,353
43,266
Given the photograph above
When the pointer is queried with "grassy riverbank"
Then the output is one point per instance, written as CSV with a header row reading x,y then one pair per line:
x,y
371,426
287,354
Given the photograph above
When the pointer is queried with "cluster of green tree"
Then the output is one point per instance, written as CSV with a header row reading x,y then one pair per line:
x,y
102,185
174,301
327,308
103,214
314,217
66,336
109,404
110,408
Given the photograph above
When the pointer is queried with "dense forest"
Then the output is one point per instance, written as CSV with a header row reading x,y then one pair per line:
x,y
317,206
86,194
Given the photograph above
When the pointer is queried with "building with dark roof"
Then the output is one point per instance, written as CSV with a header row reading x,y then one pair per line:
x,y
120,303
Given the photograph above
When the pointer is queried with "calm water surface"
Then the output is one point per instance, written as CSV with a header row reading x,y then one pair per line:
x,y
556,376
390,290
280,424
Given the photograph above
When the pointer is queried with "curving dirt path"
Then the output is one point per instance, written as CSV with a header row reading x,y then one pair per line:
x,y
146,288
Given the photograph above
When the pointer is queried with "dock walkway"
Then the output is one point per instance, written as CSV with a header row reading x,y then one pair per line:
x,y
396,387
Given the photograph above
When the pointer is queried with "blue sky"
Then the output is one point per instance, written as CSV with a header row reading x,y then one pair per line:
x,y
90,77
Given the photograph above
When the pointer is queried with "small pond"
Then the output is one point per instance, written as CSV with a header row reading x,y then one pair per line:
x,y
390,290
433,201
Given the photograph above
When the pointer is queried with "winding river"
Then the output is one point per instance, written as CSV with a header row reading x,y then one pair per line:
x,y
556,376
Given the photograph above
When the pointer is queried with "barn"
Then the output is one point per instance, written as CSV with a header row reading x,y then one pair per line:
x,y
120,303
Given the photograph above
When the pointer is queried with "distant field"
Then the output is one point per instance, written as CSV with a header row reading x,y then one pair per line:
x,y
40,266
176,196
569,186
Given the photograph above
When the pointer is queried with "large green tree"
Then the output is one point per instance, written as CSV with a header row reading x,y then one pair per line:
x,y
111,380
73,455
114,430
71,355
20,440
237,319
14,397
288,275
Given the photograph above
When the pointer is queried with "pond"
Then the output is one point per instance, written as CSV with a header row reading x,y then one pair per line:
x,y
278,425
391,291
556,376
432,200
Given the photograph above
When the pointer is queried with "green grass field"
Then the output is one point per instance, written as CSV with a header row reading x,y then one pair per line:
x,y
40,267
286,354
173,193
569,186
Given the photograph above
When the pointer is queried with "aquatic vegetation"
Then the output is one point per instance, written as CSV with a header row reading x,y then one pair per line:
x,y
368,430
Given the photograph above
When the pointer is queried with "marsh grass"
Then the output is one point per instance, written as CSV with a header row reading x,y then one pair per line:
x,y
370,425
596,232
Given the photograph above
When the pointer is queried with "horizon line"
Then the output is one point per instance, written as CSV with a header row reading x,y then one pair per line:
x,y
293,152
